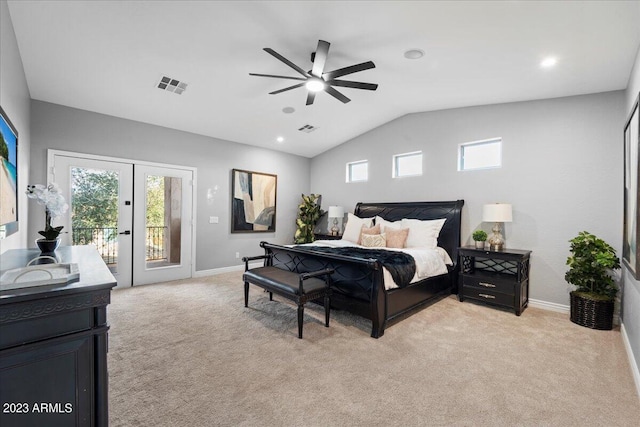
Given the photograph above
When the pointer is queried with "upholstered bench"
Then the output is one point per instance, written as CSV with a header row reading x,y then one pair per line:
x,y
297,287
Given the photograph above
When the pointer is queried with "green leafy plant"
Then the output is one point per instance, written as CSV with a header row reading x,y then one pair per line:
x,y
309,213
479,235
590,265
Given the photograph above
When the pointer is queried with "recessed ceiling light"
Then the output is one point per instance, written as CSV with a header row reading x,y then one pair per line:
x,y
280,139
548,62
414,54
288,110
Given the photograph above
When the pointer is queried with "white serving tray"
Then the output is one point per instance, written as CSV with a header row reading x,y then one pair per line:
x,y
38,275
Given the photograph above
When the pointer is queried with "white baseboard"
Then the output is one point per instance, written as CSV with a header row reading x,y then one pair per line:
x,y
561,308
552,306
632,360
222,270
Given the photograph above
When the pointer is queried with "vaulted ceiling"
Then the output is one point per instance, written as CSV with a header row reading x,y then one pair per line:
x,y
108,57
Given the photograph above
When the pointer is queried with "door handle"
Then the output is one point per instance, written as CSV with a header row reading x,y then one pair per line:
x,y
127,232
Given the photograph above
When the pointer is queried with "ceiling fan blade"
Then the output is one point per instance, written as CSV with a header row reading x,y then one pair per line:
x,y
286,61
277,77
331,91
286,89
310,97
354,85
320,58
348,70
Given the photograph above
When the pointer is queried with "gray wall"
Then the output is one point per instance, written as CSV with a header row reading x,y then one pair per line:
x,y
64,128
631,290
15,100
561,172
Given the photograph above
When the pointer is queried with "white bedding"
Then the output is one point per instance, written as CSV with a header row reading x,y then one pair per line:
x,y
429,262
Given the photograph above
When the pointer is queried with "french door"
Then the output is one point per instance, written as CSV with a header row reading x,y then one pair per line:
x,y
163,216
138,216
100,197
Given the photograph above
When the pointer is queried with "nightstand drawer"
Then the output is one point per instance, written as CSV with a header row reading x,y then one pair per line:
x,y
488,296
490,284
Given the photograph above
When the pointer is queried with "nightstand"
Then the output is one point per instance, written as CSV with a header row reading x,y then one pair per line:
x,y
496,277
328,236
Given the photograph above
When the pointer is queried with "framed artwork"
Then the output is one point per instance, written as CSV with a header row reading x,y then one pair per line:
x,y
8,176
631,235
253,201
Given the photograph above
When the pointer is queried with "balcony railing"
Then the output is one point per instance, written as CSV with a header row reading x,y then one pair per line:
x,y
105,239
156,249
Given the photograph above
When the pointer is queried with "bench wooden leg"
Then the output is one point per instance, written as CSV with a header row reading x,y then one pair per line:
x,y
300,319
246,294
327,309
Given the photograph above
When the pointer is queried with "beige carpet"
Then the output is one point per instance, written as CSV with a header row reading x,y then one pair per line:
x,y
189,353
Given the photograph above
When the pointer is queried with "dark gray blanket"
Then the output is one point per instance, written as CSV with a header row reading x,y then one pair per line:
x,y
401,266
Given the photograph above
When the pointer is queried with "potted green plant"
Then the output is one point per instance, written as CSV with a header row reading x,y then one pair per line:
x,y
479,236
591,263
309,213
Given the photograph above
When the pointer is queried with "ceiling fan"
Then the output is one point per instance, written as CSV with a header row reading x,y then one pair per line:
x,y
316,79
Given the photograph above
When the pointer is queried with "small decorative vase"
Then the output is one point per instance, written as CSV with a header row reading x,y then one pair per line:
x,y
47,246
479,244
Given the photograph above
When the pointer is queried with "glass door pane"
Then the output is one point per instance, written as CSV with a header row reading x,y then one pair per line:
x,y
94,211
163,221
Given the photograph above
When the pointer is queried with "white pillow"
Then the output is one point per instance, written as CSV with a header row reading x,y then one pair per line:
x,y
423,234
396,225
353,227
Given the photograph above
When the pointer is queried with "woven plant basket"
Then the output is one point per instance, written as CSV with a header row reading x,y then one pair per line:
x,y
591,313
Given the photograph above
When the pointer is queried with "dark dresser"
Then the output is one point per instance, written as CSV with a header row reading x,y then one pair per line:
x,y
53,344
499,278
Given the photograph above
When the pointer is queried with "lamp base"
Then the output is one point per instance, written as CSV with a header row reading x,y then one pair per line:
x,y
496,241
335,230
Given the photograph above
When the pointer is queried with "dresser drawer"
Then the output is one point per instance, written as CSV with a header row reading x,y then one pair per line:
x,y
492,284
488,296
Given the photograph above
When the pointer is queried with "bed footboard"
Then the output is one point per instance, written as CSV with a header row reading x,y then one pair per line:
x,y
357,283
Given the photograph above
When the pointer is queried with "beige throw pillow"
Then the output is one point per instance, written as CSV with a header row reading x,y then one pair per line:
x,y
373,241
396,238
368,230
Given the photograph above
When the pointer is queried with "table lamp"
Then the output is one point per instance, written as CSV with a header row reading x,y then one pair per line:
x,y
496,213
335,212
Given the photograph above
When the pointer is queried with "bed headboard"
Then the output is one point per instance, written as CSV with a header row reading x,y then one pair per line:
x,y
449,238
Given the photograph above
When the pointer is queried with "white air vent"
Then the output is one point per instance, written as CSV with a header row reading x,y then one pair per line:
x,y
307,128
172,85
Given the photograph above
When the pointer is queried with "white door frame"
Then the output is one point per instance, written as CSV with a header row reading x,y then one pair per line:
x,y
50,162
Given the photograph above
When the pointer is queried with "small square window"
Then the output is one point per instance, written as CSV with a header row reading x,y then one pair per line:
x,y
485,154
358,171
407,164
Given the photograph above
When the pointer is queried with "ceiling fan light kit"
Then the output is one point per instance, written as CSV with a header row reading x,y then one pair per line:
x,y
317,80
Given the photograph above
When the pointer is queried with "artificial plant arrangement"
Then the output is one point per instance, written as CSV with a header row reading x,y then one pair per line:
x,y
479,236
54,206
309,213
591,263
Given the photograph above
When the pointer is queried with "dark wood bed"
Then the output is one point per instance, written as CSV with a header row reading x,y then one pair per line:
x,y
358,283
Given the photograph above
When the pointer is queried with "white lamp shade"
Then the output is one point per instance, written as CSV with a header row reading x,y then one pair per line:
x,y
336,212
497,212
